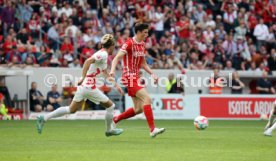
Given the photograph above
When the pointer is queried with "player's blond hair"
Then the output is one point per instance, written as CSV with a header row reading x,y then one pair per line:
x,y
107,41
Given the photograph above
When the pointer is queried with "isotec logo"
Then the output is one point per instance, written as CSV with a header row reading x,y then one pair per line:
x,y
249,107
167,103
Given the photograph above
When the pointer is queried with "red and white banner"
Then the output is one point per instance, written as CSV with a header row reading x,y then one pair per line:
x,y
239,106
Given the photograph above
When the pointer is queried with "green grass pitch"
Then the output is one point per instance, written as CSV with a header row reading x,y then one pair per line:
x,y
85,141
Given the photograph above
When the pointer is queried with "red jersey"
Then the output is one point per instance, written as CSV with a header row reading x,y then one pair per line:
x,y
132,60
184,33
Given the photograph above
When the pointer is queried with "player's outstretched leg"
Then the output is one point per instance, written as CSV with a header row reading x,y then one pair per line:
x,y
125,115
111,129
271,118
268,132
270,125
146,105
57,113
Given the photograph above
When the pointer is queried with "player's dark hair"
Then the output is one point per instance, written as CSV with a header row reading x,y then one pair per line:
x,y
107,41
140,27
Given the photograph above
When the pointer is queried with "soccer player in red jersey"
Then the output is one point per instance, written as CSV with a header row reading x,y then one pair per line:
x,y
133,54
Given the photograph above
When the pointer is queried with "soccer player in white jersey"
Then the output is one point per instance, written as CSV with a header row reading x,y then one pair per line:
x,y
87,89
271,125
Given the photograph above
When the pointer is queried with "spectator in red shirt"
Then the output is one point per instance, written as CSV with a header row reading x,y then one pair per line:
x,y
8,44
34,26
266,13
13,53
272,10
67,49
183,28
87,51
122,39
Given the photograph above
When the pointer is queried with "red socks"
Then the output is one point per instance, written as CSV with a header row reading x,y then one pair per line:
x,y
130,113
149,116
125,115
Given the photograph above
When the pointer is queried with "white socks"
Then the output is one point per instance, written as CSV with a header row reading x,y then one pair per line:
x,y
57,113
271,116
271,120
109,117
273,127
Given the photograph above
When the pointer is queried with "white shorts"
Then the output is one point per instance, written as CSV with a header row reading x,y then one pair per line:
x,y
94,95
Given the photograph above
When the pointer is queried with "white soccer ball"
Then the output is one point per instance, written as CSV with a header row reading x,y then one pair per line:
x,y
201,122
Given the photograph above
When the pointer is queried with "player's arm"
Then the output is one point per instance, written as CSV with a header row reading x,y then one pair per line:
x,y
262,89
146,67
85,68
115,61
113,82
272,90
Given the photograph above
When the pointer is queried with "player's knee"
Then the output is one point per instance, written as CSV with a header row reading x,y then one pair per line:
x,y
147,100
108,104
73,110
138,110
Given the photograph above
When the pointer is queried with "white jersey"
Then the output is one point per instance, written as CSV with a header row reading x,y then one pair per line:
x,y
96,68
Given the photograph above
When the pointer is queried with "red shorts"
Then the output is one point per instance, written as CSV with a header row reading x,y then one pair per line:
x,y
132,85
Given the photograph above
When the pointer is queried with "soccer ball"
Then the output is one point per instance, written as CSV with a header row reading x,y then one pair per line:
x,y
201,122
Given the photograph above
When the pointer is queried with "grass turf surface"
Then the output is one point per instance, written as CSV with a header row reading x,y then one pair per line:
x,y
85,141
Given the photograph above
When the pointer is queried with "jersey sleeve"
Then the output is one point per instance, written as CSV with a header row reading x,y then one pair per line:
x,y
126,47
100,57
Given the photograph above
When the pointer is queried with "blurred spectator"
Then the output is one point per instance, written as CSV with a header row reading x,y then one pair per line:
x,y
67,49
159,23
272,60
241,53
3,109
183,27
9,43
200,14
170,82
240,31
271,40
75,64
216,85
228,46
54,37
5,91
36,98
177,87
53,99
210,22
30,62
261,33
3,61
14,63
69,91
229,17
264,86
237,84
7,15
87,51
229,66
253,67
23,36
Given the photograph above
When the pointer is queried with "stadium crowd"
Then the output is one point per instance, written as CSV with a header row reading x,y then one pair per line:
x,y
193,34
